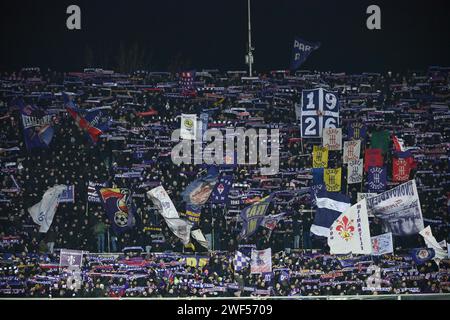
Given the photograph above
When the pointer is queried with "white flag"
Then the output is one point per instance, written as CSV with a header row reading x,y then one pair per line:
x,y
44,211
198,235
188,126
382,244
332,138
432,243
352,150
261,261
181,228
350,232
355,171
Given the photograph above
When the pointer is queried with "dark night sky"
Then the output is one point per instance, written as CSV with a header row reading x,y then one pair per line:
x,y
212,34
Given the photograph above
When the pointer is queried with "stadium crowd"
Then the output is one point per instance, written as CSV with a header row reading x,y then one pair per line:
x,y
145,109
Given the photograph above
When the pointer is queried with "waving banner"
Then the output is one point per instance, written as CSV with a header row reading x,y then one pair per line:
x,y
252,217
301,51
399,209
181,228
350,232
332,139
117,204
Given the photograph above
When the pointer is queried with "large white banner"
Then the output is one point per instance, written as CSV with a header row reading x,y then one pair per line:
x,y
350,232
382,244
399,209
261,261
44,211
355,171
352,150
188,126
332,138
181,228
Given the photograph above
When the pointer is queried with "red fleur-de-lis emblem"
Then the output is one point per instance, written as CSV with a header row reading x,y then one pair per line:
x,y
345,228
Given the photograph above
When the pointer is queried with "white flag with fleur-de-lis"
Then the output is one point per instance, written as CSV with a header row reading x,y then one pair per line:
x,y
350,232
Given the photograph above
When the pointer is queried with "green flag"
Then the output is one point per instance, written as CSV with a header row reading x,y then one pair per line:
x,y
380,140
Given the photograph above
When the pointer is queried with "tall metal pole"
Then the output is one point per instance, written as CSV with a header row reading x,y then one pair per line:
x,y
250,48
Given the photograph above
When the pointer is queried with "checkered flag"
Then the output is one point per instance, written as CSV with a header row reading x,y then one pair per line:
x,y
240,261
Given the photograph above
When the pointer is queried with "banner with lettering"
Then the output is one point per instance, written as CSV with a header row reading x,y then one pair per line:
x,y
332,139
320,157
355,171
352,150
332,179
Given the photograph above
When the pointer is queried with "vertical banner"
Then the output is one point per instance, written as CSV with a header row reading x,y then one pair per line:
x,y
373,158
355,171
356,131
352,150
332,139
188,126
320,157
377,179
332,179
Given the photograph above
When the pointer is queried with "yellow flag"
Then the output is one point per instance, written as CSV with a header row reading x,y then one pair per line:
x,y
332,179
320,157
190,245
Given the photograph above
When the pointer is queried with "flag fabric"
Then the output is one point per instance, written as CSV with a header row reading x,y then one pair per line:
x,y
329,207
376,179
373,158
181,228
398,209
253,216
198,191
380,140
332,139
187,79
301,51
362,195
317,174
44,211
92,131
37,126
117,205
92,191
261,261
398,143
332,179
68,195
188,126
203,124
198,235
350,232
270,222
352,150
240,261
355,171
72,259
431,242
382,244
356,131
320,157
421,255
221,190
402,164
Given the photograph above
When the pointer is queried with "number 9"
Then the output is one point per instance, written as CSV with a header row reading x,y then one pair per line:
x,y
331,101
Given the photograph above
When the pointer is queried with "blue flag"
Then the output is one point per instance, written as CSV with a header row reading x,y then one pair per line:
x,y
221,190
118,207
330,205
198,191
422,255
302,50
252,217
356,131
377,179
317,174
37,126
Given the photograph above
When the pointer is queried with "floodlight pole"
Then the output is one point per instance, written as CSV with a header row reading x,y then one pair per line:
x,y
249,56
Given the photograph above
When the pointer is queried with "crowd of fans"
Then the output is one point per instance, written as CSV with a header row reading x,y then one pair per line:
x,y
145,110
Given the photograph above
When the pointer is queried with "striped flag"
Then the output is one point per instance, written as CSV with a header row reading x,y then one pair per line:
x,y
329,207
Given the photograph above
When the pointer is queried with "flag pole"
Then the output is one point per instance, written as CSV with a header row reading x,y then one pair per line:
x,y
249,56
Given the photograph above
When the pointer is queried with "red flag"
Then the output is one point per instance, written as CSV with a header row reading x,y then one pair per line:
x,y
401,167
373,158
84,124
